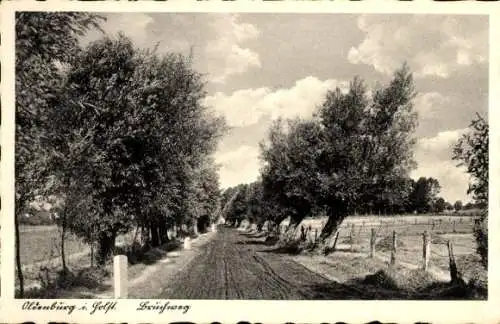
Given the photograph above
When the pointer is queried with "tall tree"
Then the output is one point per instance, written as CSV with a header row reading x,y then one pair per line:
x,y
45,41
369,143
290,172
357,150
472,152
147,141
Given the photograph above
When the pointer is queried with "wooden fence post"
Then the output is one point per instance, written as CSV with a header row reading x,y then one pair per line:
x,y
335,240
120,265
315,235
426,250
372,244
394,248
453,266
454,227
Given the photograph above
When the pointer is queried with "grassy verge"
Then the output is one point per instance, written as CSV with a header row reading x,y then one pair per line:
x,y
83,281
381,281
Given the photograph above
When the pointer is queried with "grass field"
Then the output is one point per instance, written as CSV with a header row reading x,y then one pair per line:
x,y
355,232
42,243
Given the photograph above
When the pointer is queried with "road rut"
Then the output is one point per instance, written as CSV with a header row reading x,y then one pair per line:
x,y
237,266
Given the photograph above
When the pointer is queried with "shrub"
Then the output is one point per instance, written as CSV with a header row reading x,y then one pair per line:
x,y
481,235
399,279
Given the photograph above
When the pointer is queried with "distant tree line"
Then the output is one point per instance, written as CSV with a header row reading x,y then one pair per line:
x,y
117,132
245,202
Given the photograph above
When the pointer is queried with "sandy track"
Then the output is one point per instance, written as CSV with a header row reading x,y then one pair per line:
x,y
236,266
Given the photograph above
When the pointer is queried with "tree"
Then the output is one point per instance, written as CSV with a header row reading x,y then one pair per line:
x,y
98,136
458,205
143,142
290,173
368,144
44,42
439,205
424,194
356,150
471,151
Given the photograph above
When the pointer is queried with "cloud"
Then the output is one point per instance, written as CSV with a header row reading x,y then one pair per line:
x,y
237,166
439,147
433,45
225,52
433,155
453,180
248,106
431,104
133,25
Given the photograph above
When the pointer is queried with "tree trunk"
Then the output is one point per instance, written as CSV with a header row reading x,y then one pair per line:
x,y
163,231
91,254
20,276
136,233
195,226
155,240
106,243
334,220
63,239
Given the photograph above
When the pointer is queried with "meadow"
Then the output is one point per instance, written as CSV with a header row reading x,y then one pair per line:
x,y
355,232
43,243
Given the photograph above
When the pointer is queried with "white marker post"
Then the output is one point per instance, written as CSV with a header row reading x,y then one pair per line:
x,y
214,228
120,265
187,243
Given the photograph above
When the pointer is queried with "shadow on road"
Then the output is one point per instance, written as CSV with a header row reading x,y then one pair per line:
x,y
149,256
255,242
255,235
354,290
291,250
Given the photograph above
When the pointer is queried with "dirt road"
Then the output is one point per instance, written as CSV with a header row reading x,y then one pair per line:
x,y
235,265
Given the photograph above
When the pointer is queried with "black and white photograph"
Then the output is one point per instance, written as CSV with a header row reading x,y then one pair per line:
x,y
251,156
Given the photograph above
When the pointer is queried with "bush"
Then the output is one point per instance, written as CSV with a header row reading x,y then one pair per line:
x,y
380,279
399,279
90,277
271,239
288,243
481,235
147,255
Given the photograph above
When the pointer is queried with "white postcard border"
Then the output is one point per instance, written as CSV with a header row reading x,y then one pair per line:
x,y
253,311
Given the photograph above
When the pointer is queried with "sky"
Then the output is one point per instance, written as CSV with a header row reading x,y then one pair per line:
x,y
259,67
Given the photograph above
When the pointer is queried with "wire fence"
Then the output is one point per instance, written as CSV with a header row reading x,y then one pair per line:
x,y
376,237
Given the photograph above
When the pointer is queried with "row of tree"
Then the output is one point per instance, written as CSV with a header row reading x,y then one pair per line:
x,y
353,157
118,133
245,202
